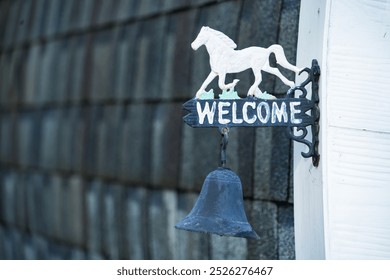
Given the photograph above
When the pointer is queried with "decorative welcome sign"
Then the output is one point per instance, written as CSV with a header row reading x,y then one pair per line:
x,y
220,206
258,109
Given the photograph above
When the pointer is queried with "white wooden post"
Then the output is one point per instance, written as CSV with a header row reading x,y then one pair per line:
x,y
308,195
342,208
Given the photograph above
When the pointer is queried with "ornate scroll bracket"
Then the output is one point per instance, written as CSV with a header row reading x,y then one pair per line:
x,y
300,132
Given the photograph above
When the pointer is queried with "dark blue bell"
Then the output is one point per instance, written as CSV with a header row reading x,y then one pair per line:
x,y
220,207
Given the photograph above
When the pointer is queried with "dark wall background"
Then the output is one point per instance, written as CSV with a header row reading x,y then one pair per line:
x,y
95,161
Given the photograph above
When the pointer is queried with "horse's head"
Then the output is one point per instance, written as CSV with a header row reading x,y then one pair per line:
x,y
201,39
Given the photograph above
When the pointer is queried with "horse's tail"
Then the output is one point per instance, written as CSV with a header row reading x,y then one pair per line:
x,y
281,58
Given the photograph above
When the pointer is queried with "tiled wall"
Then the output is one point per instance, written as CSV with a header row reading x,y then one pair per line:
x,y
95,161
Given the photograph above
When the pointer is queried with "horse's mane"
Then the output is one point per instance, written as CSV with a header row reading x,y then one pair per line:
x,y
229,42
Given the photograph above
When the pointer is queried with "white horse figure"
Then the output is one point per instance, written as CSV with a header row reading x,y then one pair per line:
x,y
224,59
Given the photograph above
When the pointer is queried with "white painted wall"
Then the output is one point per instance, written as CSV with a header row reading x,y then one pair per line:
x,y
352,183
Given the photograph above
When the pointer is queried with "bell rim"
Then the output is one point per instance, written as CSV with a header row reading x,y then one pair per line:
x,y
200,224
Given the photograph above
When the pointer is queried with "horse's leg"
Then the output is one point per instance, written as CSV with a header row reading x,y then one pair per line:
x,y
282,61
252,90
221,82
276,72
281,58
206,82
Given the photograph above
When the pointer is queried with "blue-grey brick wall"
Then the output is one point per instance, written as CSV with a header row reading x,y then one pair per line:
x,y
95,161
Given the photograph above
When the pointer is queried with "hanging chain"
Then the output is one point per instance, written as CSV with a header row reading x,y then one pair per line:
x,y
224,141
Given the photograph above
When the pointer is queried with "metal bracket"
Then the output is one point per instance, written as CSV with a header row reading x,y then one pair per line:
x,y
300,132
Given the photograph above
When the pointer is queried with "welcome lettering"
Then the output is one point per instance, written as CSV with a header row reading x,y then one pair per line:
x,y
249,113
